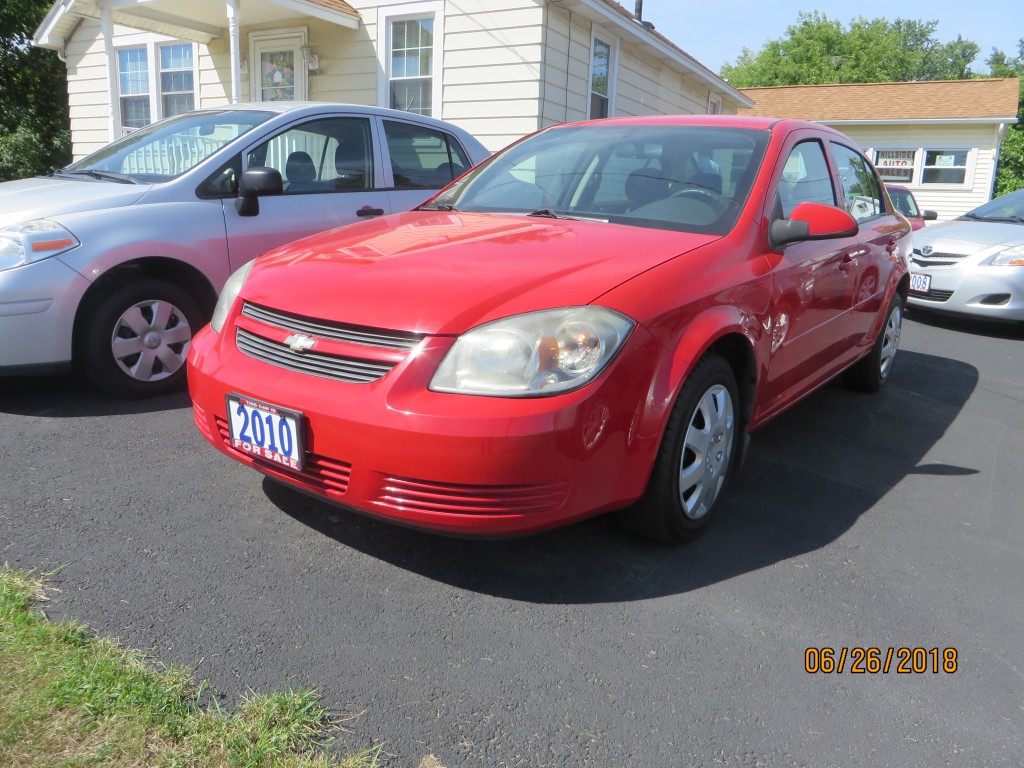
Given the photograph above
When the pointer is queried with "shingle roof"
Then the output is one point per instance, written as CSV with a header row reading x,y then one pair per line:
x,y
987,99
337,5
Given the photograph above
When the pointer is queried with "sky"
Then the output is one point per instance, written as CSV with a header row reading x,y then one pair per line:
x,y
717,32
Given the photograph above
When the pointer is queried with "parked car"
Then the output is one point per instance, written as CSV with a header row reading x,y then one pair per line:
x,y
115,261
593,319
903,201
974,264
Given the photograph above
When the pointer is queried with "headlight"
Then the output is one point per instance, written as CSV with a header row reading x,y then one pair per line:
x,y
1011,257
31,241
228,294
541,353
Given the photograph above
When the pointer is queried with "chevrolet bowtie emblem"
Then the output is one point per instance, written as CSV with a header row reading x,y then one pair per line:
x,y
297,342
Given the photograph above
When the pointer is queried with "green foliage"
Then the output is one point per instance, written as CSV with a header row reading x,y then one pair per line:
x,y
34,135
1010,175
819,50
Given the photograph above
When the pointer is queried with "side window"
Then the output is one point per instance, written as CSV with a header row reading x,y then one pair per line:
x,y
422,158
860,185
330,155
805,178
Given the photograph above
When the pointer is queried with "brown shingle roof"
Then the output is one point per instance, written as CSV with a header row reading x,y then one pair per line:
x,y
337,5
928,100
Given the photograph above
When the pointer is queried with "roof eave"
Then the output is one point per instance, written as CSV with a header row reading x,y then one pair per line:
x,y
922,121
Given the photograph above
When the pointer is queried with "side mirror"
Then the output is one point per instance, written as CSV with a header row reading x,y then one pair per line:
x,y
929,215
254,184
811,221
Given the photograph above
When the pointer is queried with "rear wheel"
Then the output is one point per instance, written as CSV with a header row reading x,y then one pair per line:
x,y
136,338
872,372
696,457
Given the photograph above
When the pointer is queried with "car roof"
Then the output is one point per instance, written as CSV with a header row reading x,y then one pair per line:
x,y
300,108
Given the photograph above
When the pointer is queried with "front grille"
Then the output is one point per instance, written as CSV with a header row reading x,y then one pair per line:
x,y
936,258
422,496
351,334
932,295
336,367
326,475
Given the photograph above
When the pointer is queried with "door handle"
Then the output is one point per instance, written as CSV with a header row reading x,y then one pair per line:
x,y
368,211
892,245
849,262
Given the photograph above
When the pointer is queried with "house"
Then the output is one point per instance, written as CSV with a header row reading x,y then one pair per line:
x,y
940,138
499,68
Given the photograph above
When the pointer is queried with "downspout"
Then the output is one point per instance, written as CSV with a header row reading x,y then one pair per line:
x,y
236,69
107,30
543,66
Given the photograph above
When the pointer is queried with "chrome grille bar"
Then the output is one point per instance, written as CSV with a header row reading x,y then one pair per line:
x,y
371,337
313,363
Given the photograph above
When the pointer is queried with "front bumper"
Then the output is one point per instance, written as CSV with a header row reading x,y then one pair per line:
x,y
996,293
452,463
38,303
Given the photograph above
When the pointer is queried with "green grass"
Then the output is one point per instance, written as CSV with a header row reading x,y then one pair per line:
x,y
72,700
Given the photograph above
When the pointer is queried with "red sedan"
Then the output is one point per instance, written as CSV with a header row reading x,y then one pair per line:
x,y
593,319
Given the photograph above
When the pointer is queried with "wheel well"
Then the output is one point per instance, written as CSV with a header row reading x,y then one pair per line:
x,y
903,289
183,275
736,350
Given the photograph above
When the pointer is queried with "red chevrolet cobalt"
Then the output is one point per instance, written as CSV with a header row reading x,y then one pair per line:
x,y
591,320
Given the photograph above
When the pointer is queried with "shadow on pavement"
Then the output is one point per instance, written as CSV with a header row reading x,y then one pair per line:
x,y
809,476
71,395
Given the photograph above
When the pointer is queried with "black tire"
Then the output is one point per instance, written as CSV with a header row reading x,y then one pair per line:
x,y
135,338
872,372
701,444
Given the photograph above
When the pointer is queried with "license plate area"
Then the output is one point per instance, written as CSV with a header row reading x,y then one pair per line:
x,y
266,431
920,283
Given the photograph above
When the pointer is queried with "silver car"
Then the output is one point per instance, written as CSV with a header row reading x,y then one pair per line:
x,y
114,262
973,265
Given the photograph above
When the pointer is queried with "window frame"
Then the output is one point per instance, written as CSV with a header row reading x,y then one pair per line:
x,y
152,45
918,169
432,10
600,35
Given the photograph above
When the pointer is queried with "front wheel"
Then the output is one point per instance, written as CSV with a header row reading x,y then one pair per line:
x,y
136,338
696,457
872,372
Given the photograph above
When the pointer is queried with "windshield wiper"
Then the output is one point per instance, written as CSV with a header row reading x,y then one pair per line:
x,y
1008,219
547,213
120,178
438,207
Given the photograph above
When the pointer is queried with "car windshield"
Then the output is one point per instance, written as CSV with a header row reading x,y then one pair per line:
x,y
904,202
164,150
679,177
1009,207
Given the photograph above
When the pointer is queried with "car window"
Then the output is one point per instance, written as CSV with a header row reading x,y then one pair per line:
x,y
320,156
904,202
423,158
861,188
683,178
805,179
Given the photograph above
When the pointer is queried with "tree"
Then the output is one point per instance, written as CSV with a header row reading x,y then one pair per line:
x,y
1010,175
34,133
818,50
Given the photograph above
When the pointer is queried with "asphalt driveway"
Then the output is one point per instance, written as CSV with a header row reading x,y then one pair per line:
x,y
886,521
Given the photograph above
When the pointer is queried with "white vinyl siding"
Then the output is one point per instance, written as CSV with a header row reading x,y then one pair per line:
x,y
948,200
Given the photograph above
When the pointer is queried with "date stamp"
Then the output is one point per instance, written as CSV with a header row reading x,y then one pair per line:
x,y
872,661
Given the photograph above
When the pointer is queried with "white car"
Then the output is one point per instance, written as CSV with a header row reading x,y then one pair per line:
x,y
114,262
974,264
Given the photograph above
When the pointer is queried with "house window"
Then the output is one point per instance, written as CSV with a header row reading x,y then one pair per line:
x,y
412,65
714,104
147,95
896,165
133,79
177,79
600,71
280,72
944,166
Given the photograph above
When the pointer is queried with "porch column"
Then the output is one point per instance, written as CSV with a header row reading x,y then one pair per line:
x,y
236,75
114,114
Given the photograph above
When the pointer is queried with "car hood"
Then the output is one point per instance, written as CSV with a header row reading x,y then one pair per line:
x,y
47,197
443,273
966,236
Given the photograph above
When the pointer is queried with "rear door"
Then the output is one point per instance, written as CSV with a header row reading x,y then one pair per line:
x,y
877,241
